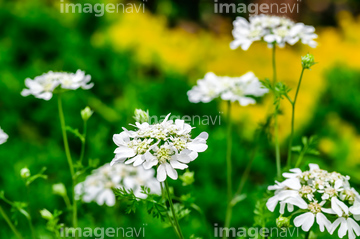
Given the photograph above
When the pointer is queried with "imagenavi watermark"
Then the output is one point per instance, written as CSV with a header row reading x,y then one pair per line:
x,y
189,119
256,8
255,232
103,232
99,9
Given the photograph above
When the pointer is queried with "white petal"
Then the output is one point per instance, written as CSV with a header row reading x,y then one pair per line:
x,y
161,173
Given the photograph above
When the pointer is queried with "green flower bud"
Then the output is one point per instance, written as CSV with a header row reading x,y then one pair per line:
x,y
46,214
141,116
59,189
25,173
307,61
283,222
187,178
86,113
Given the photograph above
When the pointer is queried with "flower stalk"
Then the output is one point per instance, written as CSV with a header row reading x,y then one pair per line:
x,y
11,225
228,168
176,222
276,127
293,104
69,159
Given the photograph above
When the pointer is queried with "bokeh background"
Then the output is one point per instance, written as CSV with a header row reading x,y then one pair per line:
x,y
150,60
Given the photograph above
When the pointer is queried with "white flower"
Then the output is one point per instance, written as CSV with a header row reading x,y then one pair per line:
x,y
98,186
347,226
228,88
242,87
206,89
43,86
3,136
271,29
303,189
166,145
306,220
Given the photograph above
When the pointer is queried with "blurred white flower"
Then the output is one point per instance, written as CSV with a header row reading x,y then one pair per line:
x,y
3,136
303,189
228,88
98,186
43,86
271,29
166,145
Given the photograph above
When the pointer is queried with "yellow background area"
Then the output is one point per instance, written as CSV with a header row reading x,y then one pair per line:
x,y
193,53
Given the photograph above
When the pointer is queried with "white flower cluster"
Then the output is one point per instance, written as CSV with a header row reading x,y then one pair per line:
x,y
271,29
166,145
228,88
3,136
319,194
98,186
42,86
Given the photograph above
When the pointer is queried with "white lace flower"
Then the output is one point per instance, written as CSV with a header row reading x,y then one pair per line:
x,y
271,29
306,220
98,186
166,145
206,89
303,189
3,136
240,89
43,86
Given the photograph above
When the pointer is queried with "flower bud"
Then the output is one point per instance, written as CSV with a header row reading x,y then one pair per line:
x,y
283,222
187,178
59,189
25,173
46,214
307,61
86,113
141,116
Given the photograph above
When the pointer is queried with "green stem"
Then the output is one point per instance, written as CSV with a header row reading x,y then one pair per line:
x,y
167,214
293,119
246,173
307,235
70,162
83,142
11,225
173,210
229,169
32,228
276,128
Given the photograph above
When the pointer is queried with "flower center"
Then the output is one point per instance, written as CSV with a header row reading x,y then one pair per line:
x,y
314,207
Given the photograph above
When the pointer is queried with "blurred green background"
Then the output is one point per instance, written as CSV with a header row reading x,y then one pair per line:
x,y
150,60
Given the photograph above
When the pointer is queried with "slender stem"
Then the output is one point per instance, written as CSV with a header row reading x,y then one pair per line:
x,y
246,173
33,234
67,201
11,225
276,128
31,228
228,154
83,142
167,214
229,169
274,64
68,156
293,119
173,210
307,235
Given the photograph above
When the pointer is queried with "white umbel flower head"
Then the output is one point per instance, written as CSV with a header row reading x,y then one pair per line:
x,y
98,186
271,29
43,86
3,136
304,189
167,146
228,88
